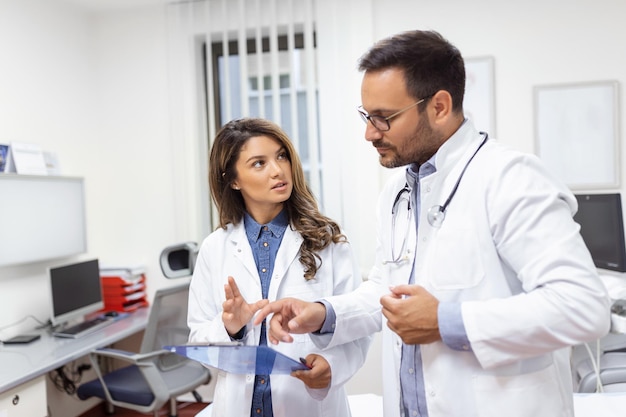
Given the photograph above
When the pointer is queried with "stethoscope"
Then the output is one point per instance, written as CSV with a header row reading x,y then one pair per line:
x,y
436,214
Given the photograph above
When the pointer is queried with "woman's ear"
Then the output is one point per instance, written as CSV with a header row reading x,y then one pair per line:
x,y
234,186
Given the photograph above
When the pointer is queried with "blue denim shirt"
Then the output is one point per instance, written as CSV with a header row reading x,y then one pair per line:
x,y
264,241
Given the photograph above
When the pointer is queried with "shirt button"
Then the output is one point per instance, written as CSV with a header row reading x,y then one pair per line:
x,y
265,244
263,270
411,370
265,228
258,411
414,413
465,347
262,381
431,393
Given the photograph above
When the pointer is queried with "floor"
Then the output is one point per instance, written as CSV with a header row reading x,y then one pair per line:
x,y
185,409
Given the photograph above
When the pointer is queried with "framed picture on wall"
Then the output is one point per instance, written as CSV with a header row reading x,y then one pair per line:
x,y
479,101
576,132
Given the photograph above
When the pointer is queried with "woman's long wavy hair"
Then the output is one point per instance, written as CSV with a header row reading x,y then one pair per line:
x,y
317,230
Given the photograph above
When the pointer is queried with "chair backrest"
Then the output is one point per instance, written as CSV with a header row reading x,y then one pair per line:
x,y
167,323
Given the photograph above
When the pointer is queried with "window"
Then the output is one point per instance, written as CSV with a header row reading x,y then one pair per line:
x,y
287,104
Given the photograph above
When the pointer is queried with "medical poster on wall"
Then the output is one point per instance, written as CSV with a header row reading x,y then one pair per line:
x,y
479,100
576,132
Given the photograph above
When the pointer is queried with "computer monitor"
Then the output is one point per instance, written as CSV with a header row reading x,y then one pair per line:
x,y
75,291
602,228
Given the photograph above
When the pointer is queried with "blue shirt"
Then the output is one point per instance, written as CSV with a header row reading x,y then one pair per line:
x,y
451,325
450,319
264,241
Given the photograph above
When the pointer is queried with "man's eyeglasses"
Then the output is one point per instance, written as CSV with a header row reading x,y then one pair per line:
x,y
381,122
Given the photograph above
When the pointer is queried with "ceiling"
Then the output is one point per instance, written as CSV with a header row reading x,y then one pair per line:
x,y
103,5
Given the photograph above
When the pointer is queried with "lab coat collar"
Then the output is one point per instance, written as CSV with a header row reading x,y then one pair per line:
x,y
287,253
464,141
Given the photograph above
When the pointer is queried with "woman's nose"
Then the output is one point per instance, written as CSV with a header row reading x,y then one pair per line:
x,y
275,169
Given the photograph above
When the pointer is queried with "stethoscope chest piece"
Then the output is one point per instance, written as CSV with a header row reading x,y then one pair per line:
x,y
436,216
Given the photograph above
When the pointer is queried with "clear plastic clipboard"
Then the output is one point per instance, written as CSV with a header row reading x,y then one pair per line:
x,y
239,359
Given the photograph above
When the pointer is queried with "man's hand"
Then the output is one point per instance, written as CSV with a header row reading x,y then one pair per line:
x,y
291,316
318,376
237,312
411,312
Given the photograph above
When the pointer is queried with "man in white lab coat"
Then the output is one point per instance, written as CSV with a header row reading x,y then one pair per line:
x,y
481,281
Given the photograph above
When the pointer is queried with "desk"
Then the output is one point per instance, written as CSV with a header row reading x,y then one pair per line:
x,y
22,363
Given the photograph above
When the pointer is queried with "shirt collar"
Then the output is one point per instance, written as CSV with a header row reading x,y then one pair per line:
x,y
277,226
415,171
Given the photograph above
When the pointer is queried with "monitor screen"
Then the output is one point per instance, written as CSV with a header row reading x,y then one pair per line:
x,y
602,228
75,290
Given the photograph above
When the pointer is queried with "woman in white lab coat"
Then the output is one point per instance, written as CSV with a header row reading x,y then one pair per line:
x,y
272,243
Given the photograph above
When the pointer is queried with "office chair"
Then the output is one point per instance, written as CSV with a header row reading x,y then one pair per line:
x,y
154,376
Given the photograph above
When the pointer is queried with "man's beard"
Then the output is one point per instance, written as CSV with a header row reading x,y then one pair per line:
x,y
418,148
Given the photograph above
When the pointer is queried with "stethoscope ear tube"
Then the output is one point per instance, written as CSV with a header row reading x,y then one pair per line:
x,y
437,214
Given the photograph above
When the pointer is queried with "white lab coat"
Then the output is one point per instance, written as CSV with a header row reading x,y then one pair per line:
x,y
510,252
227,253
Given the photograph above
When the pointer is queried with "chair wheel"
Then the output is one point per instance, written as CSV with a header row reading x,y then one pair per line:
x,y
109,409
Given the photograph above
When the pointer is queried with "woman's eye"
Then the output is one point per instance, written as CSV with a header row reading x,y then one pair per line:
x,y
257,164
282,155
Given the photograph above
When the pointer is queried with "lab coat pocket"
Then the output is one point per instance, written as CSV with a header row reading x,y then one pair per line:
x,y
520,395
309,291
454,259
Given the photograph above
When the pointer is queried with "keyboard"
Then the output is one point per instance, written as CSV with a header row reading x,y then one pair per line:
x,y
83,328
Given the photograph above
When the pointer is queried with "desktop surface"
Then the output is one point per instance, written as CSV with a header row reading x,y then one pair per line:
x,y
21,363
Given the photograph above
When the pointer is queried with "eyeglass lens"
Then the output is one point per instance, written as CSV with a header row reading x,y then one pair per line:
x,y
379,122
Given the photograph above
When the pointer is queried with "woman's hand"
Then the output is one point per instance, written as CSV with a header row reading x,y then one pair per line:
x,y
237,312
320,374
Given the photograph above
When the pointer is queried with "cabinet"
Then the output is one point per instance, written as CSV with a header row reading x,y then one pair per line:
x,y
26,400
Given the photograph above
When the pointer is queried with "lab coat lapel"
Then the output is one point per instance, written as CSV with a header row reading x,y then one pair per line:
x,y
243,252
287,254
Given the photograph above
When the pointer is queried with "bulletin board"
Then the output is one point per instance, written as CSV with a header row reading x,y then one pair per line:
x,y
577,132
479,100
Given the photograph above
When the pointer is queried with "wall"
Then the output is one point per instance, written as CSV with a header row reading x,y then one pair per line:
x,y
94,89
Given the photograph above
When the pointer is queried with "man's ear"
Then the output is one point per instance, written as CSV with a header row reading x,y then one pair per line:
x,y
441,103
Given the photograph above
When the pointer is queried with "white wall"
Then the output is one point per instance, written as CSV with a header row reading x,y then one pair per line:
x,y
94,88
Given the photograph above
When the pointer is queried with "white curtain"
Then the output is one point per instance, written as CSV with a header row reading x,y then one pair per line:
x,y
216,74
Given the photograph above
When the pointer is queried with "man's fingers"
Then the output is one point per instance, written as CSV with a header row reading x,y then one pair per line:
x,y
277,331
270,308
